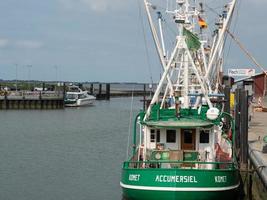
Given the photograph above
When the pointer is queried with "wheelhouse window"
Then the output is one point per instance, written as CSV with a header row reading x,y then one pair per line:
x,y
158,135
152,135
204,136
171,136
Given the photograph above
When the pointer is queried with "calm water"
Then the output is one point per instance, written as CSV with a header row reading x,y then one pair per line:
x,y
64,154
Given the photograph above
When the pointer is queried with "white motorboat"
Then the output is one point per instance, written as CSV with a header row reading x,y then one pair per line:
x,y
77,97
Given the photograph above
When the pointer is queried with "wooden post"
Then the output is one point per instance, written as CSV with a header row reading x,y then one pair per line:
x,y
227,93
100,90
237,117
91,88
18,102
244,127
6,101
107,91
24,101
64,90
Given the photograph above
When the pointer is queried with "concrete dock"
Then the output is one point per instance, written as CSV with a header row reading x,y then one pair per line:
x,y
32,100
256,132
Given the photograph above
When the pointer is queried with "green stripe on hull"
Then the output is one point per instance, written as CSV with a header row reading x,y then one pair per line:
x,y
180,189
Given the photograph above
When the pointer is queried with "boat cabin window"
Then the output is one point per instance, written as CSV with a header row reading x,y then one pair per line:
x,y
71,96
158,135
81,96
171,136
204,136
154,136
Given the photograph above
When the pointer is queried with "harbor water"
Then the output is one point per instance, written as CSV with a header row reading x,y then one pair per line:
x,y
71,154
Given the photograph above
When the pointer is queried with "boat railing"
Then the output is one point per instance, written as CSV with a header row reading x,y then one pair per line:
x,y
176,164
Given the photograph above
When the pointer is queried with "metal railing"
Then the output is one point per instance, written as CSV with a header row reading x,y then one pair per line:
x,y
176,164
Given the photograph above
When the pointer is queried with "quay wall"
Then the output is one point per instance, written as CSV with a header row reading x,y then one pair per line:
x,y
32,100
258,158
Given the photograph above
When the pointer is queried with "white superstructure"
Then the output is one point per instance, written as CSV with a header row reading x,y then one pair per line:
x,y
77,97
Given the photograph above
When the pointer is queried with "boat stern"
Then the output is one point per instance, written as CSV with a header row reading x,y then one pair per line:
x,y
175,183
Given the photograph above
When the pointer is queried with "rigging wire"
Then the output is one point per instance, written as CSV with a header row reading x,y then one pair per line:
x,y
170,33
234,27
216,13
130,123
145,40
161,9
170,28
246,52
213,21
226,54
241,46
234,30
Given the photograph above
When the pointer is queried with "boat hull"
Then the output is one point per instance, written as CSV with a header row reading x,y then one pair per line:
x,y
129,194
176,184
79,102
85,102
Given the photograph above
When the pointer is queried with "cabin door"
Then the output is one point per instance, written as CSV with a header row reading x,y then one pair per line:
x,y
188,139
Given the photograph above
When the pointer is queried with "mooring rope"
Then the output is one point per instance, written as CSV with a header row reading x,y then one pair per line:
x,y
145,40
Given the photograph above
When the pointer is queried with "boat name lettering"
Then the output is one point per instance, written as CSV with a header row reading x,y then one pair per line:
x,y
134,177
175,179
220,179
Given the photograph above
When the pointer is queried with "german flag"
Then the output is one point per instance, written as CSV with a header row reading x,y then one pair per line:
x,y
202,23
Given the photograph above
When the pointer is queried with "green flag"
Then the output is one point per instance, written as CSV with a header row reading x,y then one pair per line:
x,y
191,40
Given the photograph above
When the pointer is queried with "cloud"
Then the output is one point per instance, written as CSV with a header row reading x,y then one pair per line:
x,y
3,42
259,1
95,5
29,44
98,6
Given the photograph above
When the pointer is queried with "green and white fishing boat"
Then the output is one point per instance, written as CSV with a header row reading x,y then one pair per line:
x,y
183,143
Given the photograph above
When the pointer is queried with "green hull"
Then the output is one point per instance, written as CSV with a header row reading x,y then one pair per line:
x,y
130,194
176,184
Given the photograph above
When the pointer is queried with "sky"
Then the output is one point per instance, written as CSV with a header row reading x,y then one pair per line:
x,y
101,40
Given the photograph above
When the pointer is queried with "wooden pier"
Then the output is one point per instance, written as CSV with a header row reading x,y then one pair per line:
x,y
55,99
104,91
32,100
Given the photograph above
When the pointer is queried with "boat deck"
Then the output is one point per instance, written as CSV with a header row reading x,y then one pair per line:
x,y
182,159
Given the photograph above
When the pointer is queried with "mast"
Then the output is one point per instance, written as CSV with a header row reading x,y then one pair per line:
x,y
161,34
164,76
157,43
220,37
196,71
